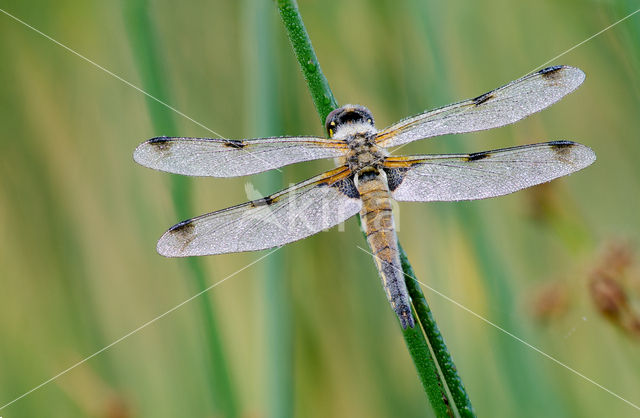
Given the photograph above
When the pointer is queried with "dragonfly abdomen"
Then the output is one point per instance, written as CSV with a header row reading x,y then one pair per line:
x,y
377,221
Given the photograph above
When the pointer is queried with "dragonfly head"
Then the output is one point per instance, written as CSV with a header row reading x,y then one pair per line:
x,y
348,115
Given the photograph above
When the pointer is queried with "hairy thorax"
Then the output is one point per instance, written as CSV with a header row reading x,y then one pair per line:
x,y
363,151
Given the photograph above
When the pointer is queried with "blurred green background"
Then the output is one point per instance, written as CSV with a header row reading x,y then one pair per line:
x,y
308,331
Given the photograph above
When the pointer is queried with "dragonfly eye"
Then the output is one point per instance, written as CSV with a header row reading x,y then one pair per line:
x,y
347,114
330,124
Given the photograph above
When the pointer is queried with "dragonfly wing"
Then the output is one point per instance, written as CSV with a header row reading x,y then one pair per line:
x,y
502,106
292,214
483,174
231,158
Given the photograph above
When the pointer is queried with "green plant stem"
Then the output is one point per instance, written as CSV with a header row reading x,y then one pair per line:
x,y
317,82
443,357
150,65
427,370
415,338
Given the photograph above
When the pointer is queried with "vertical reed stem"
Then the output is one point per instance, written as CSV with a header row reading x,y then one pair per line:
x,y
428,372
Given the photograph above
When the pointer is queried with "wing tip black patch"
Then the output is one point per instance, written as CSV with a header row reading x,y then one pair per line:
x,y
477,156
551,72
562,147
183,228
161,143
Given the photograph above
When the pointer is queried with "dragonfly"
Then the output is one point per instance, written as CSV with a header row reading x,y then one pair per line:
x,y
368,177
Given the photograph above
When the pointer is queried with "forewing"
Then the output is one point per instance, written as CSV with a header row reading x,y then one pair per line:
x,y
231,158
292,214
484,174
502,106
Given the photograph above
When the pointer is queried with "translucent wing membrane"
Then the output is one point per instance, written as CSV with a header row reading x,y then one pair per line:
x,y
231,158
499,107
483,174
292,214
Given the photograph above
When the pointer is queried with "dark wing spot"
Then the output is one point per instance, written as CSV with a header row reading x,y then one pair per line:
x,y
551,72
234,143
476,156
482,98
265,201
161,143
184,229
346,186
395,177
562,148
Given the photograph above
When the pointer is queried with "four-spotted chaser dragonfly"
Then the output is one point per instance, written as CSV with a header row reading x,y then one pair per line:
x,y
368,177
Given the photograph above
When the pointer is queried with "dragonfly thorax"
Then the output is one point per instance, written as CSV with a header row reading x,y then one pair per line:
x,y
363,152
354,125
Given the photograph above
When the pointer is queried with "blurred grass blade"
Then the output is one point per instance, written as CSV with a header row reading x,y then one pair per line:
x,y
521,379
415,339
264,119
154,80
